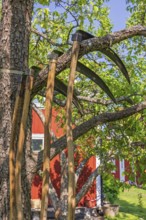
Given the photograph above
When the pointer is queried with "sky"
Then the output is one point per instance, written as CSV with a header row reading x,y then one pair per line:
x,y
118,13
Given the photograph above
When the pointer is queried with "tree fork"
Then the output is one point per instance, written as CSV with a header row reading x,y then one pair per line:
x,y
71,173
19,154
47,136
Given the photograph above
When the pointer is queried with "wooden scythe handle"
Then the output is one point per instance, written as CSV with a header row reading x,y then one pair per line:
x,y
70,146
21,139
47,138
15,122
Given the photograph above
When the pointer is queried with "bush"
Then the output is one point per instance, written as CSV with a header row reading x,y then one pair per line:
x,y
111,188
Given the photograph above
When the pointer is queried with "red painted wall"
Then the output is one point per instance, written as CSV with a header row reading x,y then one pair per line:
x,y
37,128
89,199
117,173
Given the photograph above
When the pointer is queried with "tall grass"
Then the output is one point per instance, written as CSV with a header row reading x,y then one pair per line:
x,y
132,204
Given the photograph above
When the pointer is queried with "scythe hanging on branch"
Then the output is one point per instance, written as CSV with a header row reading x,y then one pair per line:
x,y
77,38
15,122
47,136
20,147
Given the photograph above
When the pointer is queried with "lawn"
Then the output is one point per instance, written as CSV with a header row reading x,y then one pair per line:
x,y
132,204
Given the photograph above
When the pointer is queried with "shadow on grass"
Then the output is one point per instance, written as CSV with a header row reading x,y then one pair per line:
x,y
133,209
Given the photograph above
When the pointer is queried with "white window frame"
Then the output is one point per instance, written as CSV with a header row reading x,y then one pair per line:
x,y
98,185
122,170
38,136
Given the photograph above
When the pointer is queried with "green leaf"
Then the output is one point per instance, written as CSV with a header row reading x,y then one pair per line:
x,y
94,77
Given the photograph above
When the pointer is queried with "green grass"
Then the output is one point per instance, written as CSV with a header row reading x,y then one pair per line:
x,y
131,207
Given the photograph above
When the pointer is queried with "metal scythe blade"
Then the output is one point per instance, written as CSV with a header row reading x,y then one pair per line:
x,y
95,78
116,59
109,53
62,88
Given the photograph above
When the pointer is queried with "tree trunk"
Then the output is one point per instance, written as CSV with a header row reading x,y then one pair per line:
x,y
16,20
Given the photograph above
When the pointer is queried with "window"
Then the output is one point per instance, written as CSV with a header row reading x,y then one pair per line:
x,y
122,170
37,142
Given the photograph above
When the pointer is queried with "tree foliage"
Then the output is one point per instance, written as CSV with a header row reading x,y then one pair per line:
x,y
57,20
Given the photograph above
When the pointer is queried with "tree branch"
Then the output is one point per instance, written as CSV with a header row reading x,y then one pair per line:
x,y
61,144
87,46
53,195
39,113
105,102
138,144
46,38
80,168
87,185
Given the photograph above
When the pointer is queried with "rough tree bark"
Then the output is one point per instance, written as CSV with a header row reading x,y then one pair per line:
x,y
16,20
87,185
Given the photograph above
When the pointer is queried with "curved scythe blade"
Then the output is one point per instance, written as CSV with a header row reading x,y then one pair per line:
x,y
62,88
110,53
116,59
94,77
